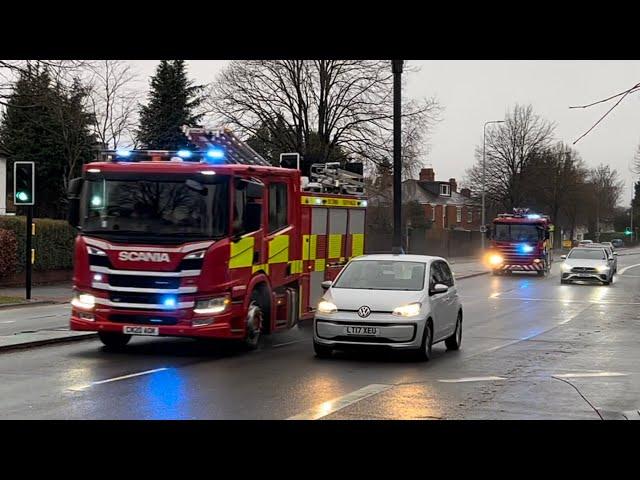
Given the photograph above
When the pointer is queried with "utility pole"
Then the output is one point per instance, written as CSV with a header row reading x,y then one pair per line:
x,y
397,156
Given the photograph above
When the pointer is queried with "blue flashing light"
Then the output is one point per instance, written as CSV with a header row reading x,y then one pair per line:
x,y
215,154
184,153
169,302
524,248
123,153
533,216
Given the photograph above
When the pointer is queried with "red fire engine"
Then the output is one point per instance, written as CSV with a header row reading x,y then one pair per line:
x,y
520,241
212,242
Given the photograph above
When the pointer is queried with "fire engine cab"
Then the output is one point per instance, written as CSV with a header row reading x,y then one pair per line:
x,y
520,241
211,242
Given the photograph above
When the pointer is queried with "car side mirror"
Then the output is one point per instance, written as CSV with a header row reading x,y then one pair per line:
x,y
438,288
563,257
326,285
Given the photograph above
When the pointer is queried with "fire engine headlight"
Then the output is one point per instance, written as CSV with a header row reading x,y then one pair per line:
x,y
83,300
411,310
195,255
212,305
327,307
96,251
495,259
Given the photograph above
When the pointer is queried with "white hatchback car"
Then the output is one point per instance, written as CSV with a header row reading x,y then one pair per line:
x,y
404,302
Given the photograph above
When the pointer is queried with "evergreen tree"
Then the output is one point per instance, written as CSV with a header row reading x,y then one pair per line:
x,y
172,102
46,124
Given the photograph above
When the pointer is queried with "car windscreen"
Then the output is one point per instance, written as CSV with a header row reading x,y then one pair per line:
x,y
588,254
382,275
516,232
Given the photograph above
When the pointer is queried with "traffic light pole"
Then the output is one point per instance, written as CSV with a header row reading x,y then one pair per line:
x,y
28,252
397,158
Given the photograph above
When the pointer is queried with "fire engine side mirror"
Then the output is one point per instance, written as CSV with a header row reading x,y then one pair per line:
x,y
74,192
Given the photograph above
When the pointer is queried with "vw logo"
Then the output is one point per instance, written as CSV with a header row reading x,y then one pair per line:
x,y
364,312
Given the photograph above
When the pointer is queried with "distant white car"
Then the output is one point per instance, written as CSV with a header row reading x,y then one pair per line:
x,y
587,263
403,302
583,243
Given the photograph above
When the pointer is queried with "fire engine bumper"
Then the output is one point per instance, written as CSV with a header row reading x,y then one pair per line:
x,y
516,267
179,323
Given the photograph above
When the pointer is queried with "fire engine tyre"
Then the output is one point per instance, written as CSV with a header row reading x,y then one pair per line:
x,y
322,351
424,352
114,340
541,273
254,323
455,341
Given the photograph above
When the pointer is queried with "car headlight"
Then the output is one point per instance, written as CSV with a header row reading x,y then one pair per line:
x,y
565,267
495,259
602,269
83,300
327,307
96,251
410,310
212,305
195,255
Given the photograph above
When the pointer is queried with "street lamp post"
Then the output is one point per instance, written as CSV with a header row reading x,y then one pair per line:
x,y
484,172
397,156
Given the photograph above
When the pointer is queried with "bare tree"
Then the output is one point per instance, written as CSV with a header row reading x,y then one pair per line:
x,y
332,108
61,71
113,101
510,147
605,191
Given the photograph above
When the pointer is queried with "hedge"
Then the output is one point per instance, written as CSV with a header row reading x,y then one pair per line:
x,y
8,247
53,242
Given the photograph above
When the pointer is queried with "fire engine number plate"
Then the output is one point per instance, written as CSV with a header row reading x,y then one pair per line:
x,y
371,331
138,330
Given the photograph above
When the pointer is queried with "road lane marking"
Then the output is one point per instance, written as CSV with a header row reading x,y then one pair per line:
x,y
470,379
596,302
331,406
287,343
622,270
591,374
115,379
7,321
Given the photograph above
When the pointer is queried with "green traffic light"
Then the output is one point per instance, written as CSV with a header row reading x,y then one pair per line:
x,y
22,196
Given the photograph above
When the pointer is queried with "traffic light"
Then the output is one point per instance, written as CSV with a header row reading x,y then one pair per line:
x,y
627,231
23,183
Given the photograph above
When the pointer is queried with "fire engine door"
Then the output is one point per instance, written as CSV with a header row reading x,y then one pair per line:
x,y
316,253
336,239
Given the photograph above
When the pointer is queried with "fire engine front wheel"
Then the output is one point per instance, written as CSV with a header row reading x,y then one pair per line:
x,y
254,324
113,340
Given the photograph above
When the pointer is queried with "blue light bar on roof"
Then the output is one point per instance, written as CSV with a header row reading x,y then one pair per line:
x,y
123,153
215,154
533,216
184,153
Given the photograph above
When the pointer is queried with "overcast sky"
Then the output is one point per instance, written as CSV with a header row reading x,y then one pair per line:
x,y
475,91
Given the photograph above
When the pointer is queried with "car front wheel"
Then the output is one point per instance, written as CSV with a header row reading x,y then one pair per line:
x,y
455,340
424,352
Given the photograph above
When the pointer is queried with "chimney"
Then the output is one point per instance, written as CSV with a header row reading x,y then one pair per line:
x,y
465,192
427,175
454,184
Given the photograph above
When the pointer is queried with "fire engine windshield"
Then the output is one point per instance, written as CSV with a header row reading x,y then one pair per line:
x,y
156,207
514,232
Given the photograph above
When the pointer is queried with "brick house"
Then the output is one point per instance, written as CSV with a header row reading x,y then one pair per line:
x,y
444,205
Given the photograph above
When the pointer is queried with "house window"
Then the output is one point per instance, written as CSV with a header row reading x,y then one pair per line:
x,y
433,213
469,215
458,214
445,189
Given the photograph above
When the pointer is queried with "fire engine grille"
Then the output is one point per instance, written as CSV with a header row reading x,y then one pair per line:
x,y
512,255
141,281
125,297
143,319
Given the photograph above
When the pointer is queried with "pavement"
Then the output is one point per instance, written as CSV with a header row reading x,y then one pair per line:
x,y
532,349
